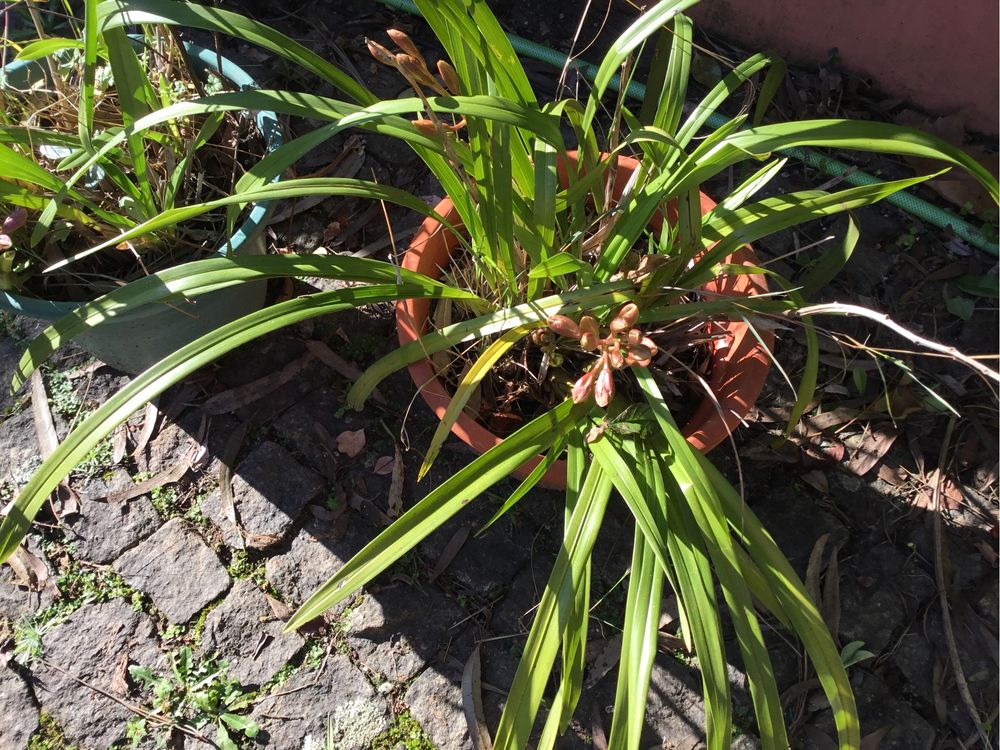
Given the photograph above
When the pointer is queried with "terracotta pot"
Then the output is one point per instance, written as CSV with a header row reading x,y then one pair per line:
x,y
739,361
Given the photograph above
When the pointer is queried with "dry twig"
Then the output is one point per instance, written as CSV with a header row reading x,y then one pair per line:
x,y
949,634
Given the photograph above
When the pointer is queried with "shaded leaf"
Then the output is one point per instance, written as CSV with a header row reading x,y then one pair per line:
x,y
351,442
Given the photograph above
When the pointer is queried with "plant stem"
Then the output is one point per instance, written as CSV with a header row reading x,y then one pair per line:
x,y
838,308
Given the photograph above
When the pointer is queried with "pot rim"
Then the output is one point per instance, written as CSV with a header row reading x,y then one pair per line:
x,y
740,362
206,60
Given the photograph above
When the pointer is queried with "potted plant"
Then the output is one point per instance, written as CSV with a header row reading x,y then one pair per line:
x,y
61,98
561,260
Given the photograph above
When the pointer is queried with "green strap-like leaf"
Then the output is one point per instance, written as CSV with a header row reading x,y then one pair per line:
x,y
209,275
528,314
114,13
553,613
437,507
166,373
468,385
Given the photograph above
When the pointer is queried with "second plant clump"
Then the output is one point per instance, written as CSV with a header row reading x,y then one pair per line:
x,y
575,251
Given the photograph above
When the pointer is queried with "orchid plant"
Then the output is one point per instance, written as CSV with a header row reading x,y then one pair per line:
x,y
555,266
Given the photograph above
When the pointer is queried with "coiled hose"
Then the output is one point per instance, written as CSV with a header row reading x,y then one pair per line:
x,y
903,200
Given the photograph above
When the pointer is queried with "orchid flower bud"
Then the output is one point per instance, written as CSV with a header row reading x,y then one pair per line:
x,y
564,326
590,333
626,318
634,336
615,356
604,387
380,53
15,220
426,127
415,71
403,41
583,386
639,356
449,76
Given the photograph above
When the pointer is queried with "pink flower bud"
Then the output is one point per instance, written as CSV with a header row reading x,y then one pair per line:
x,y
625,318
564,326
634,336
403,41
604,388
583,386
15,220
615,356
6,243
413,67
639,356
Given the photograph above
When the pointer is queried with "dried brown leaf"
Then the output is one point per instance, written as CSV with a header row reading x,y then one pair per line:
x,y
894,475
119,443
30,570
869,448
150,418
234,398
451,549
351,442
67,502
817,480
384,465
873,740
395,503
472,703
45,428
281,610
119,678
605,661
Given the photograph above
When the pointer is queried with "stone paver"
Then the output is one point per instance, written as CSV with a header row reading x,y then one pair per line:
x,y
19,454
435,701
675,710
92,644
341,697
179,572
318,551
102,530
398,630
245,632
17,709
270,490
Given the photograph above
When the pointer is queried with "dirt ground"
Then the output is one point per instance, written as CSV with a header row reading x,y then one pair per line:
x,y
885,503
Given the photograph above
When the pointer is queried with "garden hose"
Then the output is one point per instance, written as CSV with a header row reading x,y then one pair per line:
x,y
908,202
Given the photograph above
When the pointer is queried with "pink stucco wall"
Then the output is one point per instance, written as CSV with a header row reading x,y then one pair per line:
x,y
940,54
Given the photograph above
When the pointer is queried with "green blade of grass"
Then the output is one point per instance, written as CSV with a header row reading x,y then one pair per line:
x,y
639,646
626,43
134,100
677,546
706,512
